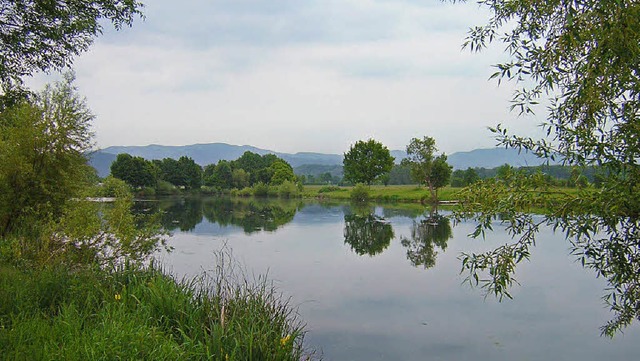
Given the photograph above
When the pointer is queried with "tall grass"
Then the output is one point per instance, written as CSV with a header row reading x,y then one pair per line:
x,y
143,314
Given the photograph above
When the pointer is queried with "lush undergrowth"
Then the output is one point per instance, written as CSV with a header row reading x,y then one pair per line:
x,y
53,313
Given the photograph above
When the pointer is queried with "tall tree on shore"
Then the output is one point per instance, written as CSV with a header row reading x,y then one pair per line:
x,y
366,161
135,171
42,154
426,167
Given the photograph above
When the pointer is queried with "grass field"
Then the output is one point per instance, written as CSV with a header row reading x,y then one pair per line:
x,y
392,193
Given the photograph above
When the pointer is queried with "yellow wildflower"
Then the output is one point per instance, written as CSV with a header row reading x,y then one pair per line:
x,y
285,340
117,297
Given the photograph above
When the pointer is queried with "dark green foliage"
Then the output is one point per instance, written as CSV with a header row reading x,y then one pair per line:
x,y
463,178
252,163
44,35
183,172
191,173
251,169
366,161
136,171
219,175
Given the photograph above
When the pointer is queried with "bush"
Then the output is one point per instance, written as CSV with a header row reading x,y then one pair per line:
x,y
244,192
287,190
360,193
327,189
261,190
113,187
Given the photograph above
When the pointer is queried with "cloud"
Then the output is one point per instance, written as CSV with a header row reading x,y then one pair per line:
x,y
293,75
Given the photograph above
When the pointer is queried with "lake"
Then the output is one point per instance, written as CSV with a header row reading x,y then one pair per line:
x,y
384,282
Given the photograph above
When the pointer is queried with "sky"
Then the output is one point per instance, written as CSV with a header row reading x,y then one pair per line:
x,y
296,76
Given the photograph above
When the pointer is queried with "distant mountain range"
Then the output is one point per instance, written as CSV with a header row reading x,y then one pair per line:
x,y
204,154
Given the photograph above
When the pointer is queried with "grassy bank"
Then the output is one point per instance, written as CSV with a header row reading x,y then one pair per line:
x,y
417,194
394,193
141,314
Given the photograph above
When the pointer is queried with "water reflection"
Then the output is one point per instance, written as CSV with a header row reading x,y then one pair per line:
x,y
370,234
427,234
367,234
184,215
388,307
252,215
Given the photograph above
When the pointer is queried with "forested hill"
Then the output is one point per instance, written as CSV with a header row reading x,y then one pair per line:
x,y
204,154
492,157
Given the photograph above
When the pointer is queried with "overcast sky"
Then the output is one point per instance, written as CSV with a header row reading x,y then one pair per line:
x,y
296,75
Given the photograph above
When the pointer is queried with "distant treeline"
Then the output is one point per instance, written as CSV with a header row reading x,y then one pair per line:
x,y
166,175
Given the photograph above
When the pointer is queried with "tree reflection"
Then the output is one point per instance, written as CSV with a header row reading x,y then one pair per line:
x,y
183,214
366,232
253,215
427,234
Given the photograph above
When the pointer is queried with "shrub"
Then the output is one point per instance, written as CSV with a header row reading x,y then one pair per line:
x,y
113,187
287,190
327,189
244,192
260,190
360,193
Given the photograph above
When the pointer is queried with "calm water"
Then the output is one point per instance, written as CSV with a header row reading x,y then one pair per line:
x,y
383,283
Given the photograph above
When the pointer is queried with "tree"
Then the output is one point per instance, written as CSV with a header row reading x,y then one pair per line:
x,y
580,60
426,168
240,178
43,143
45,215
135,171
366,161
281,171
40,35
463,178
170,171
191,173
218,175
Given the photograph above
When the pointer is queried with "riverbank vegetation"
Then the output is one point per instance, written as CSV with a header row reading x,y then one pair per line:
x,y
131,313
77,277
